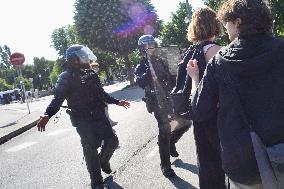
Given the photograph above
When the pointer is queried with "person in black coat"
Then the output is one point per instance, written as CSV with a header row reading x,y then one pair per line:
x,y
254,62
211,175
86,100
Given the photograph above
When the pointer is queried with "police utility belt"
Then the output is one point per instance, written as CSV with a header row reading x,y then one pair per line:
x,y
75,113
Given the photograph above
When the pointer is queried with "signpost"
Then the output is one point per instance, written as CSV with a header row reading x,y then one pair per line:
x,y
18,59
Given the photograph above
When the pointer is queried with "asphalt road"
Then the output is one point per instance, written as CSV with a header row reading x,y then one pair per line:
x,y
54,159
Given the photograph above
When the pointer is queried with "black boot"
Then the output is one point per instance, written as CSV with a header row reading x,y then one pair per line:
x,y
175,136
105,166
173,150
101,186
167,171
164,149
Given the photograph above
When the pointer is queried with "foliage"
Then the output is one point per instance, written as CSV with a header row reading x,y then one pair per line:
x,y
62,38
277,8
8,75
4,85
42,69
28,71
134,57
57,69
5,54
106,61
27,83
115,25
213,4
175,32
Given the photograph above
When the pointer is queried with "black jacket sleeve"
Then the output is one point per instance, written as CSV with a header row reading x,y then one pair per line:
x,y
205,99
61,91
105,96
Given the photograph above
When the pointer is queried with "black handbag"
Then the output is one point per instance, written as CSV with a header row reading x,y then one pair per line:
x,y
180,103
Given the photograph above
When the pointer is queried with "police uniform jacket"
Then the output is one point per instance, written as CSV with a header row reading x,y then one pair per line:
x,y
84,94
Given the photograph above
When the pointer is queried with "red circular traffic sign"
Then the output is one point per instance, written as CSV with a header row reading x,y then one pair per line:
x,y
17,59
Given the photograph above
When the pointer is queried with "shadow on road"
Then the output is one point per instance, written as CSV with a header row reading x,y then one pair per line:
x,y
131,94
179,183
192,168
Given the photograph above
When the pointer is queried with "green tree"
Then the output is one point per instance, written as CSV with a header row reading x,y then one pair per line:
x,y
27,82
62,38
8,75
175,31
5,54
42,69
107,62
115,25
4,85
277,8
56,70
7,72
28,71
213,4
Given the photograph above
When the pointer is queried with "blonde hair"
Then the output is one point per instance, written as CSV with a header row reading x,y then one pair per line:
x,y
204,25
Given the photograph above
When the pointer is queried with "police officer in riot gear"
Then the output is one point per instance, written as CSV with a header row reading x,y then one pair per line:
x,y
144,78
86,99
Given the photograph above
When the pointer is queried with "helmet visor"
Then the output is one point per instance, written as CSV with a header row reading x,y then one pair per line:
x,y
86,55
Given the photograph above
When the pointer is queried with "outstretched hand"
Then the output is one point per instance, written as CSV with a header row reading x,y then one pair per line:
x,y
193,70
124,104
42,123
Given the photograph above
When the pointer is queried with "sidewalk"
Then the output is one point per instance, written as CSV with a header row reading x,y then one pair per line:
x,y
15,120
19,126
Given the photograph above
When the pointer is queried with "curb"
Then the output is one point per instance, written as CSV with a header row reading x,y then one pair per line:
x,y
17,132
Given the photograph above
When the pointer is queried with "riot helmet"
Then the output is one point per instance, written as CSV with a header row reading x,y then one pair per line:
x,y
146,42
83,53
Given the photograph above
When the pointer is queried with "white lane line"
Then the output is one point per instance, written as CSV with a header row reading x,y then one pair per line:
x,y
153,153
20,147
58,132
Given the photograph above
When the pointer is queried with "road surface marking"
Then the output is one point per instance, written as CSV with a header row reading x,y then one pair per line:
x,y
58,132
20,147
152,153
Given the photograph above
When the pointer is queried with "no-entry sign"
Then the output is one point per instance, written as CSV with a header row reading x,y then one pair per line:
x,y
17,59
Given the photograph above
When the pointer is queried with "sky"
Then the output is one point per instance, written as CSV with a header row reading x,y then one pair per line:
x,y
27,25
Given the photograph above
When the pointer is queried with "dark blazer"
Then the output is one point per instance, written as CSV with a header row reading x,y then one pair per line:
x,y
257,68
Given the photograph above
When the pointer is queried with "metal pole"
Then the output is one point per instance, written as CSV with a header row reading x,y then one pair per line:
x,y
24,90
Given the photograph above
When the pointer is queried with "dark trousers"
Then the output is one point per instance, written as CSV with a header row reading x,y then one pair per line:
x,y
92,132
211,174
166,138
